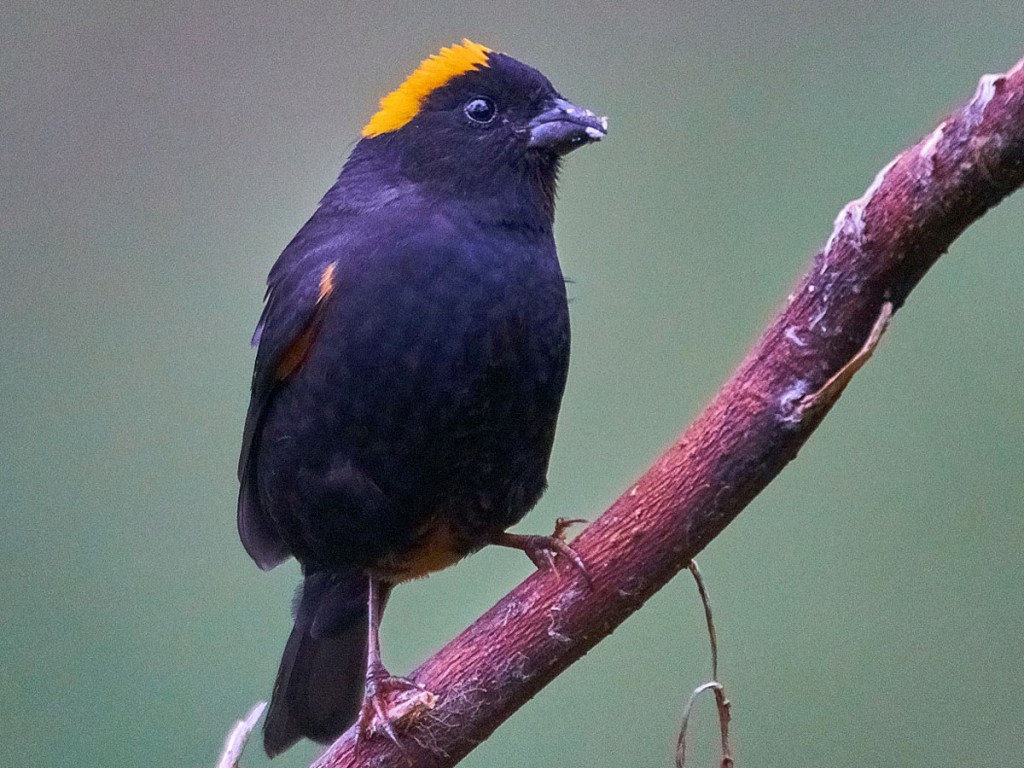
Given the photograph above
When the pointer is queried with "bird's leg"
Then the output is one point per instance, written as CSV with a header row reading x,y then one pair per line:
x,y
542,549
375,713
378,598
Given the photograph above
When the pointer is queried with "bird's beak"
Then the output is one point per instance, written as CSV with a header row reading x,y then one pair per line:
x,y
565,127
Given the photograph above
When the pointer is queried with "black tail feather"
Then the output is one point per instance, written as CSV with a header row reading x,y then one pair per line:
x,y
319,686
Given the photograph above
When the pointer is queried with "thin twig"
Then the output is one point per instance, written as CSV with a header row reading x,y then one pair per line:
x,y
681,744
722,704
708,618
236,740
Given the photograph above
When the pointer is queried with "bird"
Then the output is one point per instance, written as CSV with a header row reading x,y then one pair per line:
x,y
411,359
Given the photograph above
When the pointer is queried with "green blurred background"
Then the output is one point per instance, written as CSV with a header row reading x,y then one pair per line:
x,y
156,157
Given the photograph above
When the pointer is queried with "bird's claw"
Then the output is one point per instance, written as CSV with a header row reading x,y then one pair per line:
x,y
390,699
542,549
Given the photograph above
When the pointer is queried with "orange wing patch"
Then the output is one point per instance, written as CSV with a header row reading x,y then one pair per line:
x,y
327,281
403,104
296,352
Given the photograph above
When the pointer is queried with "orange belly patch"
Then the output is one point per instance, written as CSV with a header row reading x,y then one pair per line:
x,y
437,547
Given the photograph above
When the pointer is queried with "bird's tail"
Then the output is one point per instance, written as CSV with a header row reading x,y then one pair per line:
x,y
319,686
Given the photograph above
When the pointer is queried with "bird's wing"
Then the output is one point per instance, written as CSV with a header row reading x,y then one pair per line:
x,y
298,289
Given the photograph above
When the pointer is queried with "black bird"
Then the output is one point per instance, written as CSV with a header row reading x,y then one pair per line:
x,y
412,354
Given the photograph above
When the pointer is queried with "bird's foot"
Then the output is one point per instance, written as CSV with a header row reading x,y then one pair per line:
x,y
542,549
389,700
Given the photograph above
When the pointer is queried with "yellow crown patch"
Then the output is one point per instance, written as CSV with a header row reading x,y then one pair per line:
x,y
402,104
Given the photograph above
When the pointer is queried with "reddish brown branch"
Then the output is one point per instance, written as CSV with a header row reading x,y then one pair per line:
x,y
882,245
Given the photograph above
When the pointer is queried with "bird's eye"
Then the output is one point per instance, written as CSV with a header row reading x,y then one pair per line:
x,y
480,110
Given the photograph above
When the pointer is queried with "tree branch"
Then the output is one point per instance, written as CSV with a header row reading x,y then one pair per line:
x,y
882,244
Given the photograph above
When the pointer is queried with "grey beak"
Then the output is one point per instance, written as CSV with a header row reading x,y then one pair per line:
x,y
565,127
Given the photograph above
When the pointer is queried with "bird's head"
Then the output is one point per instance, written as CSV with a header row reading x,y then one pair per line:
x,y
470,121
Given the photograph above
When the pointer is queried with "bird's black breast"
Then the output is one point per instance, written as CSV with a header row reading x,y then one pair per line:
x,y
425,409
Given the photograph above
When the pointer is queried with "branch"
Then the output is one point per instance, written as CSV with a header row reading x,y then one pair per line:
x,y
882,245
239,735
